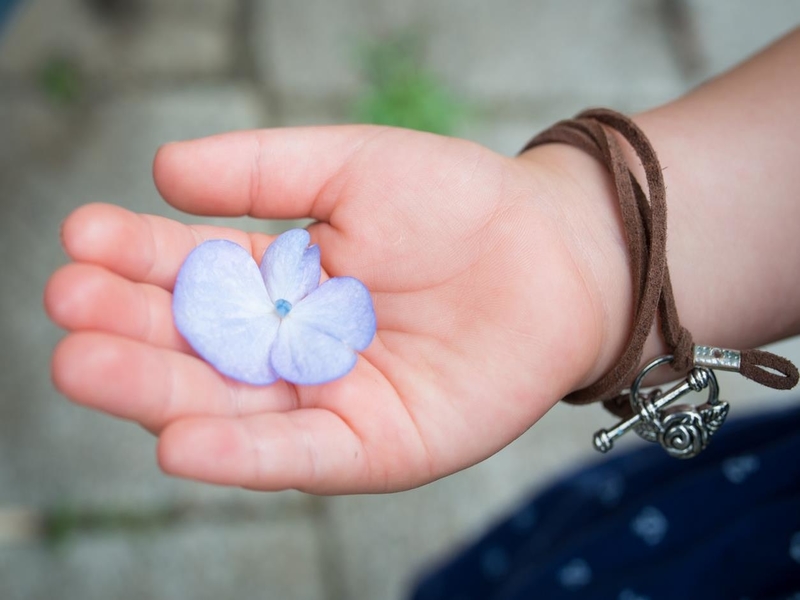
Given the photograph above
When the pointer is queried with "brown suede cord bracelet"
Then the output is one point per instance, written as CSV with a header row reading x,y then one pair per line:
x,y
645,223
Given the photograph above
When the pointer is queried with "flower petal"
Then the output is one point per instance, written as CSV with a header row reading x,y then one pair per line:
x,y
290,267
306,356
318,339
341,308
221,307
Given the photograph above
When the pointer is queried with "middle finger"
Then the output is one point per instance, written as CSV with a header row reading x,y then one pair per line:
x,y
84,297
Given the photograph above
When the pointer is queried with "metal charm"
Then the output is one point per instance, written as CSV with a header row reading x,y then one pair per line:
x,y
682,430
712,357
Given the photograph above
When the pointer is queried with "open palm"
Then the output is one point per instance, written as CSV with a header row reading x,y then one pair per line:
x,y
485,318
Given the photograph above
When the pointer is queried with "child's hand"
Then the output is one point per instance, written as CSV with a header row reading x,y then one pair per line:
x,y
487,300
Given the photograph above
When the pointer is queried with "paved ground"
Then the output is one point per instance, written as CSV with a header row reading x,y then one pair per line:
x,y
148,72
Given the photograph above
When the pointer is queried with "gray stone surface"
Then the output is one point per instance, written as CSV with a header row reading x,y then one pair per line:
x,y
172,38
295,68
201,561
520,50
508,51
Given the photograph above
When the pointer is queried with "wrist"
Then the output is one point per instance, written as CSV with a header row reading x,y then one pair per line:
x,y
707,264
588,215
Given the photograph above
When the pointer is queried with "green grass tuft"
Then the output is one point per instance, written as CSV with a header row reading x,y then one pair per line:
x,y
401,92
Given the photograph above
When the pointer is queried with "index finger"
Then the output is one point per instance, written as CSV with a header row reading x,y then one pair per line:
x,y
286,173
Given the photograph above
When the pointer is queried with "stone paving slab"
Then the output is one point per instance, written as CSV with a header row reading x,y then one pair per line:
x,y
290,63
518,49
512,49
167,38
202,561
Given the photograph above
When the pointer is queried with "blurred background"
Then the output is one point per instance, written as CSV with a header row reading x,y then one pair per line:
x,y
90,88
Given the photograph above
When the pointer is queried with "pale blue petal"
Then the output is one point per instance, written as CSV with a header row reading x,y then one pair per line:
x,y
221,307
290,267
342,308
318,338
306,356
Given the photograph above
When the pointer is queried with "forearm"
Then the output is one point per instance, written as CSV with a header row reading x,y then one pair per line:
x,y
730,151
731,157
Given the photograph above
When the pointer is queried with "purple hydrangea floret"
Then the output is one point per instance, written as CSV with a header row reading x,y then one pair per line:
x,y
260,324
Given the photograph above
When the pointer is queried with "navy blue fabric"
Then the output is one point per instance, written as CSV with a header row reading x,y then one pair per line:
x,y
644,526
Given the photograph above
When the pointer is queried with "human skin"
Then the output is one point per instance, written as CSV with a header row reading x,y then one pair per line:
x,y
500,284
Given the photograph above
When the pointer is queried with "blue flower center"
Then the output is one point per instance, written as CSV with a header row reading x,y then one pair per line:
x,y
283,307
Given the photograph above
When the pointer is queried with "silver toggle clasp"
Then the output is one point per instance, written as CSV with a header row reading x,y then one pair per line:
x,y
682,430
